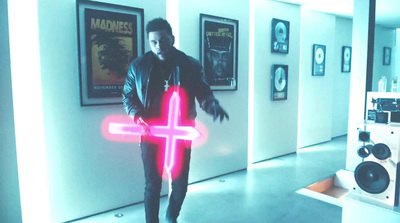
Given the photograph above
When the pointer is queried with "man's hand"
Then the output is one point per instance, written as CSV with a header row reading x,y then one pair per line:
x,y
217,111
141,122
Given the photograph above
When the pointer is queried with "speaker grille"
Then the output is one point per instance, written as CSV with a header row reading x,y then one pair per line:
x,y
364,151
381,151
364,136
372,177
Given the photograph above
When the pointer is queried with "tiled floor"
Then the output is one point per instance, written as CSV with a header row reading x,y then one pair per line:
x,y
265,192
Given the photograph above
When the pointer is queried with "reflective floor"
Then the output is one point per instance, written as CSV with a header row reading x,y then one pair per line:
x,y
265,192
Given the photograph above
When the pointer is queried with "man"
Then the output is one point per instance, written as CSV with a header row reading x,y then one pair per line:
x,y
149,77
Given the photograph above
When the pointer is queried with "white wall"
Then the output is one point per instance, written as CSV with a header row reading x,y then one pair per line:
x,y
384,37
10,204
315,103
89,174
275,122
341,81
396,56
227,142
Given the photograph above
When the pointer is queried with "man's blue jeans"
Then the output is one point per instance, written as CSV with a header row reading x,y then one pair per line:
x,y
153,162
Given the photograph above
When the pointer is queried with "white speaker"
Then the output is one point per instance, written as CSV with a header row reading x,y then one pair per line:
x,y
375,157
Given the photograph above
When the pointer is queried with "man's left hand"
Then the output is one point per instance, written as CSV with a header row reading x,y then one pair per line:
x,y
217,111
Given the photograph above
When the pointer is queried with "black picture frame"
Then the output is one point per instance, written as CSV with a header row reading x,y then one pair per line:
x,y
219,51
387,55
318,61
280,33
346,59
279,82
109,38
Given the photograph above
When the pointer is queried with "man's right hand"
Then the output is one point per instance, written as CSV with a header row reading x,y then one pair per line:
x,y
146,127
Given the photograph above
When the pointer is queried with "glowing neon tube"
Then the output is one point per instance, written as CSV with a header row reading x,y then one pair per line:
x,y
172,131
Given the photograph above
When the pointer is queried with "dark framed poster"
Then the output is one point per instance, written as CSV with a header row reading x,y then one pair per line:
x,y
109,38
346,59
279,82
219,51
280,36
387,55
319,57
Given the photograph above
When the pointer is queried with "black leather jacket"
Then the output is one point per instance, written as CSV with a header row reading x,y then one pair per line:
x,y
135,94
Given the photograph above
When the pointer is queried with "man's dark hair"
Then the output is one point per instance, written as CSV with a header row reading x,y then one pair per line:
x,y
157,25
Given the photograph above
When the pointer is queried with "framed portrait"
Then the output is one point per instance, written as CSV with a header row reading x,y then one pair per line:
x,y
280,36
387,55
109,38
318,62
279,82
219,51
346,59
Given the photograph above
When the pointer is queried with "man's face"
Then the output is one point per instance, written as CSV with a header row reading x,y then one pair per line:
x,y
219,60
161,44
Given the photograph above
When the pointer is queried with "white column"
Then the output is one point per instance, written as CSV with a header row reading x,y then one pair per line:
x,y
173,19
359,70
28,110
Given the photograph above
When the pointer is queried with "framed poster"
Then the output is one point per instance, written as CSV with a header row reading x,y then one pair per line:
x,y
219,51
318,64
346,59
387,55
279,82
109,38
280,36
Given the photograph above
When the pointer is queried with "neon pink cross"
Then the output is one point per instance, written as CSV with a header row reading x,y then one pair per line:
x,y
172,131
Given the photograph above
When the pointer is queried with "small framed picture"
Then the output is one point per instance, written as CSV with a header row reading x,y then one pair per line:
x,y
219,51
346,59
280,36
319,57
109,37
387,55
371,115
279,82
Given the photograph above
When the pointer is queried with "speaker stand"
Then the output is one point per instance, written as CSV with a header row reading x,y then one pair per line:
x,y
358,209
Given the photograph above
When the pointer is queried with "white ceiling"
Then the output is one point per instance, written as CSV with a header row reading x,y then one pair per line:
x,y
387,11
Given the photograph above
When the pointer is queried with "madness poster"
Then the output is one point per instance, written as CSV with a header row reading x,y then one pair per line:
x,y
111,43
